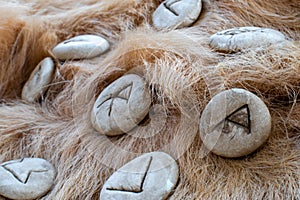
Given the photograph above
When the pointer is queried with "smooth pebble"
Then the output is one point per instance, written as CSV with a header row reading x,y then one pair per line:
x,y
81,47
121,106
150,176
236,39
176,13
28,178
39,80
235,123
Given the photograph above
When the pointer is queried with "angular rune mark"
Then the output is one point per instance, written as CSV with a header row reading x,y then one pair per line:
x,y
238,31
140,188
240,117
123,93
74,40
23,179
169,4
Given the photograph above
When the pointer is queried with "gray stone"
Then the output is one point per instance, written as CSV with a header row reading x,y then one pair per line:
x,y
81,47
176,13
150,176
121,105
28,178
235,123
39,80
236,39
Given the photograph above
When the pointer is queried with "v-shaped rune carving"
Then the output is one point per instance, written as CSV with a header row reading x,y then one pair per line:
x,y
123,93
141,185
22,174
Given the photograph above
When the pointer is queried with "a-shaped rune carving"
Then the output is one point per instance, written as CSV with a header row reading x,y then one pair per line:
x,y
22,174
139,187
123,93
240,117
121,105
235,123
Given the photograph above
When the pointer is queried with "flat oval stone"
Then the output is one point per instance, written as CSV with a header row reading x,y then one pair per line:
x,y
235,123
176,13
39,80
81,47
28,178
236,39
121,106
150,176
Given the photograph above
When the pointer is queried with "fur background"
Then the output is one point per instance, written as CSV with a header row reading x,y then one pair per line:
x,y
183,72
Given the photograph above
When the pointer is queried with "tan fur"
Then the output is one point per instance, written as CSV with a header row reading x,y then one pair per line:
x,y
184,74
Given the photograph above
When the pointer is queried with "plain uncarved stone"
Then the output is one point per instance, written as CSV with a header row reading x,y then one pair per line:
x,y
121,106
28,178
81,47
150,176
235,123
39,80
176,13
236,39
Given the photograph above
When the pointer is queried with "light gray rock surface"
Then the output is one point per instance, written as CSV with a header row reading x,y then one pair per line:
x,y
236,39
121,106
176,13
150,176
235,123
39,80
81,47
28,178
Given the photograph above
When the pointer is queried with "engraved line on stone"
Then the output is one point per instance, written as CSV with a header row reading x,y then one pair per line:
x,y
74,40
239,31
142,183
33,171
116,95
171,2
145,175
38,74
16,175
12,173
168,7
13,162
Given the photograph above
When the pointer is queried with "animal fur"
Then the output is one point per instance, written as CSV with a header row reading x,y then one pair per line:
x,y
183,73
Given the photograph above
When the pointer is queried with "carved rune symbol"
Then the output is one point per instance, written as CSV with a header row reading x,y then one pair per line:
x,y
74,40
168,6
240,117
135,188
22,174
123,93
